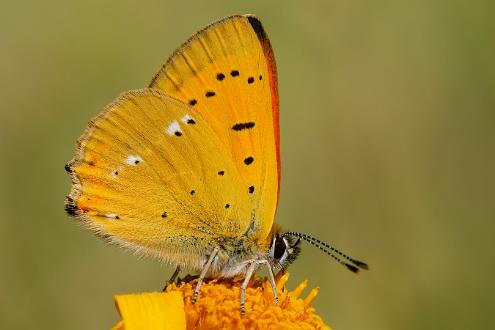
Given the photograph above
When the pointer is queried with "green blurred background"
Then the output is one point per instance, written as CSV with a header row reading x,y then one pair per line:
x,y
387,123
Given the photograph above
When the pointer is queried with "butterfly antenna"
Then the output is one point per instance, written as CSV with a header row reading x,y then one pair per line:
x,y
331,251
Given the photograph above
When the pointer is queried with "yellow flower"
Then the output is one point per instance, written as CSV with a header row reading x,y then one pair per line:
x,y
218,307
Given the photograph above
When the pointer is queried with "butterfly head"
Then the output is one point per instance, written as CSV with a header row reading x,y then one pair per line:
x,y
284,250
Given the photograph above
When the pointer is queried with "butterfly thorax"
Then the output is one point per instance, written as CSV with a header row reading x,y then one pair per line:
x,y
236,254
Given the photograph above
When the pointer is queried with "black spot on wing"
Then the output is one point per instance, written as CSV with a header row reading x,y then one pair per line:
x,y
71,210
70,207
249,160
191,121
193,102
192,192
242,126
177,133
67,168
234,73
257,27
221,172
227,206
220,76
251,189
164,214
210,93
250,80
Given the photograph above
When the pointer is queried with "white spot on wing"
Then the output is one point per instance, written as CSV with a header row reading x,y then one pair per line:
x,y
185,118
111,215
133,160
173,127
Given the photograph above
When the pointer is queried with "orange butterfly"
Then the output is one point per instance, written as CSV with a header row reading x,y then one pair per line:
x,y
188,169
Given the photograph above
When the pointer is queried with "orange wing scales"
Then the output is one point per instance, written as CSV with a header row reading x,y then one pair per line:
x,y
272,76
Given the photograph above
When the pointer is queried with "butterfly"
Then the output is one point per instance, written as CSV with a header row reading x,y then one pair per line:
x,y
187,171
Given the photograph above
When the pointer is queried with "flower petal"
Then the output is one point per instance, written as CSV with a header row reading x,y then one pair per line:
x,y
152,311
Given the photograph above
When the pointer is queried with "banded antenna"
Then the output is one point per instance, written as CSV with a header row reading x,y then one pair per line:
x,y
332,252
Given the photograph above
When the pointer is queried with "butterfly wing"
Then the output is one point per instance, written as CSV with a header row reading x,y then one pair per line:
x,y
227,73
150,174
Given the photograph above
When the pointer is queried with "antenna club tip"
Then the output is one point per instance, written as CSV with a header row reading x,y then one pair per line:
x,y
352,268
361,264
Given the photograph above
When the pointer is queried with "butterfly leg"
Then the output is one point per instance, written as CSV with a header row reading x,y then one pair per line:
x,y
272,281
203,274
172,278
249,273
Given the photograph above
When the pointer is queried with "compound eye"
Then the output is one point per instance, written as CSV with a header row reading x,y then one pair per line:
x,y
280,247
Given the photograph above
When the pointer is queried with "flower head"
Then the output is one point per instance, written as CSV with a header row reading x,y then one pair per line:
x,y
218,307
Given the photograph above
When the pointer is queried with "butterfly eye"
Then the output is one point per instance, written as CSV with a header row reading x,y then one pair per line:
x,y
280,247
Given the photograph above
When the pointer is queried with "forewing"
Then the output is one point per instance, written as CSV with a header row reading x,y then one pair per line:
x,y
227,73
